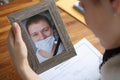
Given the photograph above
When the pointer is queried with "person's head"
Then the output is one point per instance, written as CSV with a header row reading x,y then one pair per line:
x,y
103,18
39,27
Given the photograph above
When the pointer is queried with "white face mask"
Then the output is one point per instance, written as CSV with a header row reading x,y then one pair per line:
x,y
46,44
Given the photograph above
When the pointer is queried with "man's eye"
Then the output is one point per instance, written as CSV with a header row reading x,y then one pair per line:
x,y
34,35
45,30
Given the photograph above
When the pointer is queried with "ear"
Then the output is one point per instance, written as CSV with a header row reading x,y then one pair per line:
x,y
116,5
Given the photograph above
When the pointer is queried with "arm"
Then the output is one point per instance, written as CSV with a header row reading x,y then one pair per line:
x,y
18,53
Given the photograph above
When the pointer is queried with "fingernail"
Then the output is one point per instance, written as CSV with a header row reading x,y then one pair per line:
x,y
14,27
14,24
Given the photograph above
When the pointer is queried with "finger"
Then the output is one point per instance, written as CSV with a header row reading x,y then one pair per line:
x,y
17,32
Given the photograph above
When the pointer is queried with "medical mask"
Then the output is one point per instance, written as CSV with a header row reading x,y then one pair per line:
x,y
46,44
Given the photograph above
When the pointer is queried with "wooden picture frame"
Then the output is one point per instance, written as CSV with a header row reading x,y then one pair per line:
x,y
48,9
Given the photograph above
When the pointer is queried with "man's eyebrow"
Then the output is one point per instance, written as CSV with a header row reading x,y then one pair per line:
x,y
33,33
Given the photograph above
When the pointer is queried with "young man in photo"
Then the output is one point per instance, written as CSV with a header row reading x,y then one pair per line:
x,y
44,37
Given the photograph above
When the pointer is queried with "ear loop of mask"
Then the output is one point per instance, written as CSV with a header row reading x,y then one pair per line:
x,y
57,46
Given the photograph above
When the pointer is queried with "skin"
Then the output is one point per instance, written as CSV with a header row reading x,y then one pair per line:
x,y
39,31
102,17
18,53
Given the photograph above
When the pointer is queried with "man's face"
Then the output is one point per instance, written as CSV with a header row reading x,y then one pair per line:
x,y
40,30
102,18
98,15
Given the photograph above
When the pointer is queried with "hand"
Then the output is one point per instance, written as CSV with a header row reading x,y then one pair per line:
x,y
16,46
18,53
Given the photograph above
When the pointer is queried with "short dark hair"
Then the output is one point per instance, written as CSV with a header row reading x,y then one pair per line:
x,y
37,18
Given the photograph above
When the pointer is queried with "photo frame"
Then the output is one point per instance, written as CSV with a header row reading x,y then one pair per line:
x,y
44,50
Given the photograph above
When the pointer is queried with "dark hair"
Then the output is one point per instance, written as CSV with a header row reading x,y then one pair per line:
x,y
37,18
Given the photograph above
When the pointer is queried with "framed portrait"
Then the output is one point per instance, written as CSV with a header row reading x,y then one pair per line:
x,y
45,35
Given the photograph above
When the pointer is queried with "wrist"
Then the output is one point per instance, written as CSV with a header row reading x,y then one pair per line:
x,y
25,71
21,67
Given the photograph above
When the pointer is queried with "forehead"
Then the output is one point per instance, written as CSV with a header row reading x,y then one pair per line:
x,y
40,22
38,25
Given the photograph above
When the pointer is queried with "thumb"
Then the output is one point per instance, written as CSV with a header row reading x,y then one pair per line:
x,y
17,32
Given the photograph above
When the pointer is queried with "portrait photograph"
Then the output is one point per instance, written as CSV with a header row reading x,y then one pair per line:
x,y
44,34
